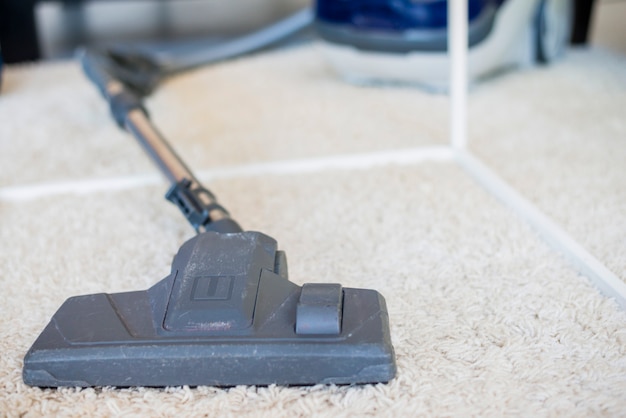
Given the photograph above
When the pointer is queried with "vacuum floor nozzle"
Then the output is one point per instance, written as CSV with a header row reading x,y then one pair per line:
x,y
226,315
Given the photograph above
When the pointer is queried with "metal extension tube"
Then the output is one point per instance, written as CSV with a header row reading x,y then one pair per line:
x,y
185,186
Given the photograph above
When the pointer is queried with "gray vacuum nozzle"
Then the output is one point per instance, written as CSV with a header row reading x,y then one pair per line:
x,y
226,315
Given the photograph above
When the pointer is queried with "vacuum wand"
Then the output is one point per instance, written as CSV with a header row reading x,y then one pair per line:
x,y
197,203
155,145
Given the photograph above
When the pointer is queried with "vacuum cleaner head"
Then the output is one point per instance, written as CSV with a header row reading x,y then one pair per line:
x,y
226,315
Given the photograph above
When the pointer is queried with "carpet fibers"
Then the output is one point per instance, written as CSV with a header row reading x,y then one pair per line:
x,y
486,319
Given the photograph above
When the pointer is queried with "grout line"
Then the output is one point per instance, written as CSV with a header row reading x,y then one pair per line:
x,y
457,47
338,162
309,165
88,186
604,280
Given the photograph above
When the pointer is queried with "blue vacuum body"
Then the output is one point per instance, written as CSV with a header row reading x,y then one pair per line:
x,y
406,40
399,25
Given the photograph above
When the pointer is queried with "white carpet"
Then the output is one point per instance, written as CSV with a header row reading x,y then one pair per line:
x,y
563,144
485,318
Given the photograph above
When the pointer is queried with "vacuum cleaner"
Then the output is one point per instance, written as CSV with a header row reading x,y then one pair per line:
x,y
227,313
